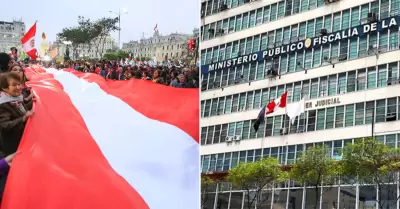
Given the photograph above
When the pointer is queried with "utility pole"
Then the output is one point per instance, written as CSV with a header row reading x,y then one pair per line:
x,y
119,13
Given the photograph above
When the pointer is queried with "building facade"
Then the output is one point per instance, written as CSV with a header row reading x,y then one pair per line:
x,y
99,47
11,34
172,46
342,56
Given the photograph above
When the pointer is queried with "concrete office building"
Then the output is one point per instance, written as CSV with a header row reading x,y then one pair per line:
x,y
341,55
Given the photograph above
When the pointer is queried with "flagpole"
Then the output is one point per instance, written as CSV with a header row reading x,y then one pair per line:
x,y
373,123
265,122
304,102
285,139
284,120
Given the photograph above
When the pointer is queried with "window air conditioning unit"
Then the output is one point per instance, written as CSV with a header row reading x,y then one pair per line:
x,y
228,139
211,30
372,47
342,57
389,82
390,117
372,17
323,31
236,138
283,131
330,1
271,73
223,7
246,1
300,130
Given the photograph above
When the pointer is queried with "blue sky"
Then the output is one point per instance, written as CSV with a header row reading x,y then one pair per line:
x,y
171,15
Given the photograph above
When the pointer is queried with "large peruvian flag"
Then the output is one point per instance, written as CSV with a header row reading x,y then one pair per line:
x,y
28,42
103,144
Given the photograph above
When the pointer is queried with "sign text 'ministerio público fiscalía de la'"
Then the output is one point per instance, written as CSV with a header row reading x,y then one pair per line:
x,y
305,44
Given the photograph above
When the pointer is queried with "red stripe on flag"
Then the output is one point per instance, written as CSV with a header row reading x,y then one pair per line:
x,y
275,104
282,103
146,97
63,167
31,33
32,54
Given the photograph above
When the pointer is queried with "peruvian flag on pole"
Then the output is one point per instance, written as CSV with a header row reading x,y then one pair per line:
x,y
28,42
279,102
271,107
155,28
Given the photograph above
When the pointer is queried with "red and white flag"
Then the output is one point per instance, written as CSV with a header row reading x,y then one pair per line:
x,y
155,28
28,42
96,143
279,102
270,108
295,109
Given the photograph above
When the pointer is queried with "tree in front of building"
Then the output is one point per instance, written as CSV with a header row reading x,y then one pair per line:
x,y
254,177
371,162
102,28
314,168
143,59
89,33
206,183
115,55
78,35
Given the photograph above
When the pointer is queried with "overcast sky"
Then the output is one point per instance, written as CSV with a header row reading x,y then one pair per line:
x,y
170,15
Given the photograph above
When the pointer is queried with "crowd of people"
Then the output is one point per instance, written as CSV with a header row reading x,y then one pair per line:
x,y
175,76
16,102
16,98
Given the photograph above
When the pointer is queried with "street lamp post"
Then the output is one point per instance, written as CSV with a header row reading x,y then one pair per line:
x,y
119,13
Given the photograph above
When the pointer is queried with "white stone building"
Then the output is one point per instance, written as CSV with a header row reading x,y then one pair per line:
x,y
170,46
96,51
11,34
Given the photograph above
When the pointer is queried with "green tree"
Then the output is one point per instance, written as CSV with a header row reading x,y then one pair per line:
x,y
255,177
89,33
206,182
115,55
313,168
370,162
77,35
103,27
122,54
73,35
111,56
